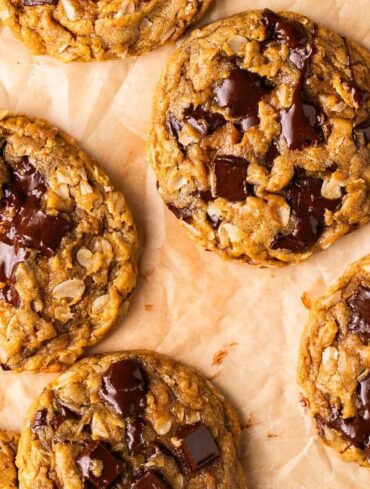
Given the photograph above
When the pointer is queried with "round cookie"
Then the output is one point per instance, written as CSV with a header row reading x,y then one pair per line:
x,y
72,30
260,137
132,420
8,450
334,364
67,248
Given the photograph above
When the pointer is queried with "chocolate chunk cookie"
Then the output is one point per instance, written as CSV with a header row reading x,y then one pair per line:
x,y
260,137
8,449
334,364
67,248
130,420
72,30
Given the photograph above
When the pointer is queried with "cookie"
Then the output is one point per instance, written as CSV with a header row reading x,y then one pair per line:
x,y
68,248
132,420
8,470
83,31
334,364
260,137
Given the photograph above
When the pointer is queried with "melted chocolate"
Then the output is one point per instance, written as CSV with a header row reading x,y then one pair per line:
x,y
135,432
363,130
111,467
241,93
357,429
203,121
174,126
183,213
270,156
150,480
124,386
24,224
198,447
63,414
359,304
301,124
39,421
308,208
230,177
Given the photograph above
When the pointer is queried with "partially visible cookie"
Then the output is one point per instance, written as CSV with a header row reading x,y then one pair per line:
x,y
334,364
130,420
260,137
8,450
72,30
67,248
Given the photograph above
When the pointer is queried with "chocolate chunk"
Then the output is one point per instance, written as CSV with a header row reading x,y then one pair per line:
x,y
301,124
359,304
357,429
174,126
308,208
290,33
108,472
24,224
150,480
230,177
36,3
63,414
40,420
241,93
124,386
203,121
198,447
135,432
183,213
270,156
363,130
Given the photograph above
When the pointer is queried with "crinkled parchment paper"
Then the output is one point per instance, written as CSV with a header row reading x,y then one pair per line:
x,y
237,324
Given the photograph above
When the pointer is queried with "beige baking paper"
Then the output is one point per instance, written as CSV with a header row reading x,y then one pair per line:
x,y
190,303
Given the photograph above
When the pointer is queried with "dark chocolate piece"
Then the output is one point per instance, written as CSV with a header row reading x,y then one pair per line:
x,y
174,126
362,130
63,414
124,386
111,467
241,93
198,447
203,121
135,432
357,429
183,213
308,209
301,124
359,304
24,224
271,155
39,421
150,480
230,177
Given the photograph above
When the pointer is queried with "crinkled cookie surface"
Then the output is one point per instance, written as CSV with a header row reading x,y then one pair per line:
x,y
68,248
130,420
334,364
76,30
8,450
260,137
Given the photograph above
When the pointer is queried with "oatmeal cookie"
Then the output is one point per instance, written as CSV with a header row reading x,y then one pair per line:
x,y
334,364
260,137
8,449
67,248
132,420
75,30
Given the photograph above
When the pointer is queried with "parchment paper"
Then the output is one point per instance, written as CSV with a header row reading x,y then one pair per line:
x,y
239,325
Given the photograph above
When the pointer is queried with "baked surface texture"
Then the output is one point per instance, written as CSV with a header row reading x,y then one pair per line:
x,y
8,450
68,248
74,30
130,420
334,364
260,137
